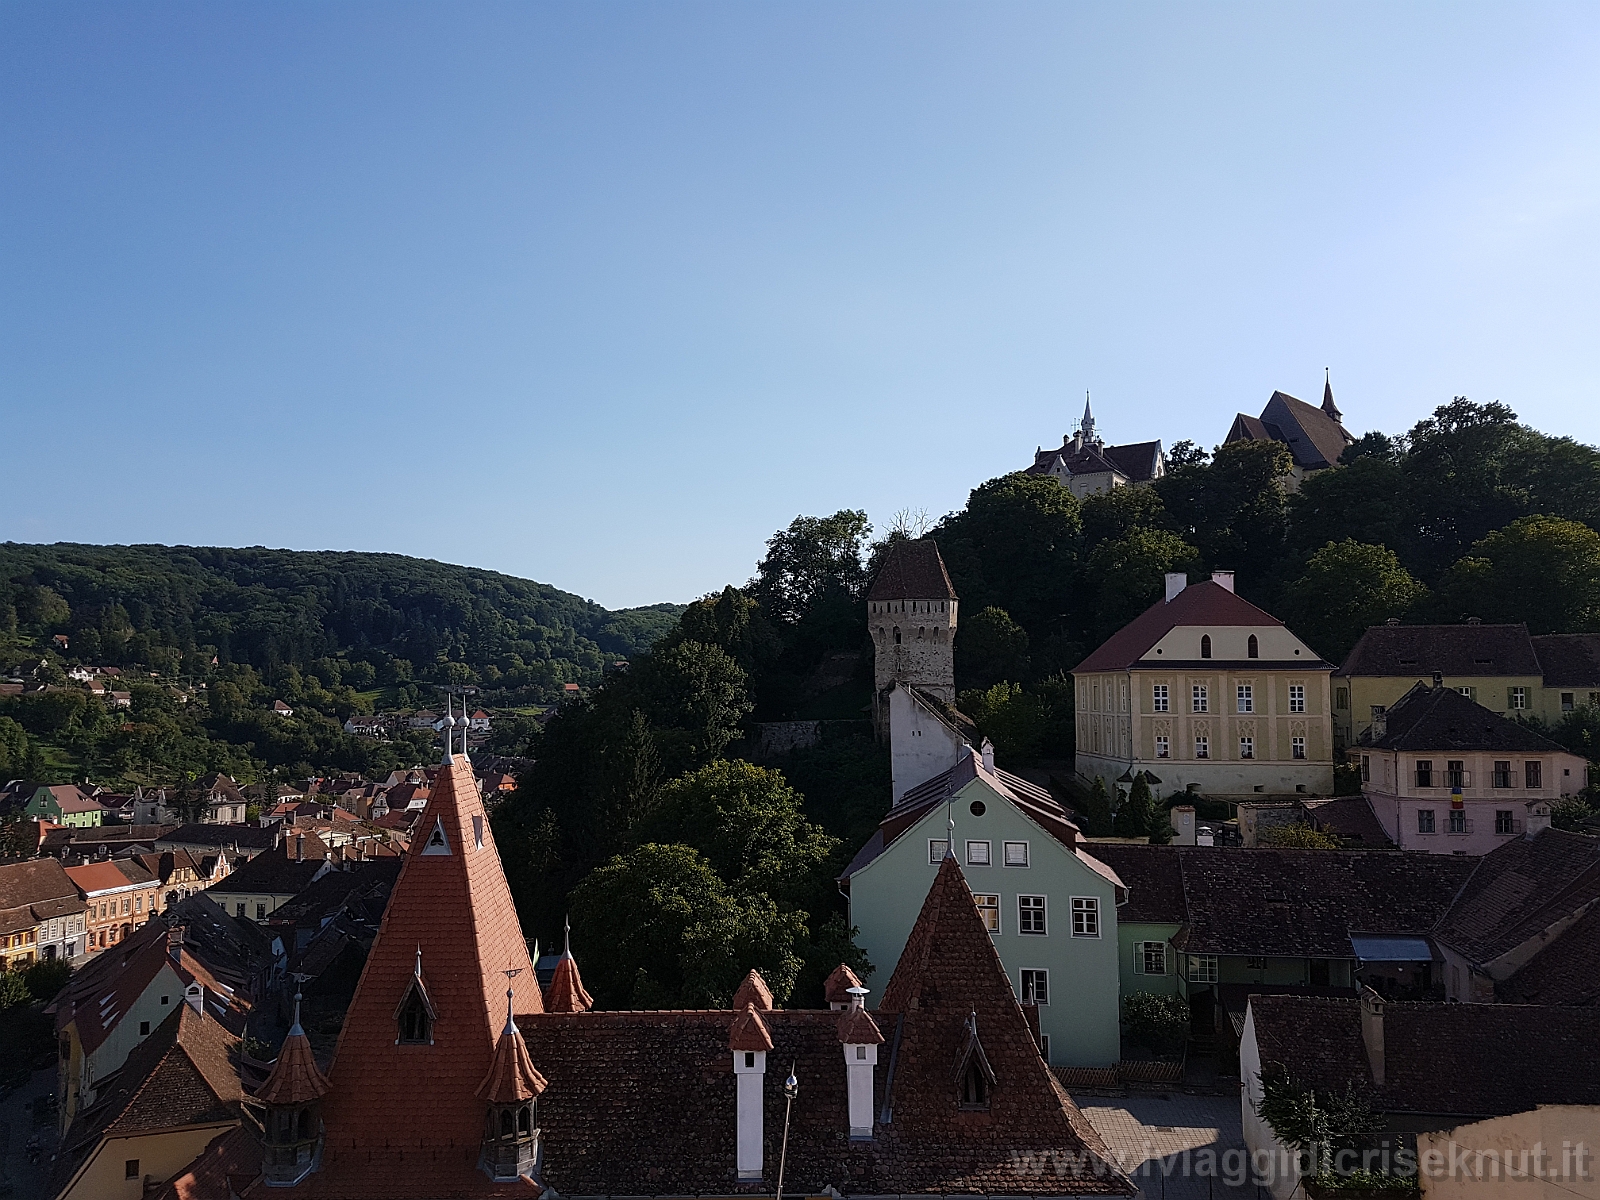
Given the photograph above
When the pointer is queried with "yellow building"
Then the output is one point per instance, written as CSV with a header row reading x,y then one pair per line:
x,y
178,1090
1204,690
1500,667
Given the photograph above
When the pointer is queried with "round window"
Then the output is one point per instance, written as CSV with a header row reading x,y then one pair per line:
x,y
977,808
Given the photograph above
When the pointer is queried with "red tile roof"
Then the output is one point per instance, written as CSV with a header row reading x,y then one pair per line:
x,y
913,571
295,1076
748,1031
90,878
857,1028
1205,603
753,990
836,989
566,992
454,909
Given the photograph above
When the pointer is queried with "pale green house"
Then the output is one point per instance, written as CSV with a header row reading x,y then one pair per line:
x,y
64,804
1049,904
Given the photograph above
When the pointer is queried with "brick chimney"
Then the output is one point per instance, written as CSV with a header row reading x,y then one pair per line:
x,y
1176,582
1372,1031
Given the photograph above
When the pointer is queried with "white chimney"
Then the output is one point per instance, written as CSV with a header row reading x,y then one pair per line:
x,y
1176,582
1183,831
987,751
860,1057
195,997
1372,1031
750,1068
1223,579
1537,820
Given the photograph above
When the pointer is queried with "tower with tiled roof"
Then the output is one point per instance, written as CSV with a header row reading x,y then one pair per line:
x,y
404,1112
911,614
566,991
292,1095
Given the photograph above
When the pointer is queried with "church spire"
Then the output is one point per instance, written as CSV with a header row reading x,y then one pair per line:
x,y
566,993
1328,406
1086,426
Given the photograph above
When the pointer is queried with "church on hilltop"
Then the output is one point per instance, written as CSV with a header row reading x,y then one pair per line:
x,y
1316,437
1086,466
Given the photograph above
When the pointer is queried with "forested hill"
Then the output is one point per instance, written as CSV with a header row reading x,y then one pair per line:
x,y
174,608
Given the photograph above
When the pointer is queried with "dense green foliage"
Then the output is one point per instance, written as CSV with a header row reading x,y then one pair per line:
x,y
207,640
172,609
1156,1022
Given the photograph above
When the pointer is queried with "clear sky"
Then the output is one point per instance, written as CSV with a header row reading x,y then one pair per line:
x,y
602,293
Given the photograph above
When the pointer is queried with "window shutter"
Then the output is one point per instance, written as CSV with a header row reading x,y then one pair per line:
x,y
1508,698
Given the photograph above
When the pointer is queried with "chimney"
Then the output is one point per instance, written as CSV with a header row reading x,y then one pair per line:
x,y
1183,825
300,848
1438,679
1380,722
1176,582
175,942
1537,820
1372,1031
1223,579
749,1041
195,997
1030,1013
860,1037
987,751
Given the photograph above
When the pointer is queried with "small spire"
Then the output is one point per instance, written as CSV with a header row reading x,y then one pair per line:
x,y
511,1026
418,971
566,932
294,1029
1328,406
449,728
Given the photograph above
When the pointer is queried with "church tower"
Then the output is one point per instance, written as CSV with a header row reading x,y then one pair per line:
x,y
911,613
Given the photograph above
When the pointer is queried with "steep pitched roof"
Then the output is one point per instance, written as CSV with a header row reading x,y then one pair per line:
x,y
1441,718
1314,438
182,1074
1569,659
1136,460
512,1076
450,904
295,1076
836,988
948,974
1030,799
1471,1060
1204,603
913,570
227,1167
1520,889
1565,972
1420,650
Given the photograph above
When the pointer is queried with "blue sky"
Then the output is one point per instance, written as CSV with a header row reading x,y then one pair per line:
x,y
603,294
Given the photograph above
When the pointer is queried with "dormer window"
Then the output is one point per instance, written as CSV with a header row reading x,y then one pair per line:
x,y
974,1076
974,1088
415,1016
1205,646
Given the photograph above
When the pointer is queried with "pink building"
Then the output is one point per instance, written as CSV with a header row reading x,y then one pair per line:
x,y
1445,775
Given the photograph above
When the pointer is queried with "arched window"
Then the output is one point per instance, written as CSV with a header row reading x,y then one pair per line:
x,y
1254,650
897,635
505,1122
524,1119
305,1124
1205,646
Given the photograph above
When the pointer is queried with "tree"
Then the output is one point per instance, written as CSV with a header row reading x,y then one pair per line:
x,y
1137,813
1346,587
1156,1022
1544,571
1128,574
1013,720
749,825
686,940
992,647
813,558
1367,500
1161,830
1298,836
1372,445
1233,509
1314,1121
1015,546
13,989
13,748
696,689
1097,810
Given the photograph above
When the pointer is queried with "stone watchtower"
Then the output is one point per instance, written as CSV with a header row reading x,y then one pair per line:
x,y
911,612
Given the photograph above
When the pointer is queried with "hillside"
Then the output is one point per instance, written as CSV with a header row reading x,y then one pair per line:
x,y
175,608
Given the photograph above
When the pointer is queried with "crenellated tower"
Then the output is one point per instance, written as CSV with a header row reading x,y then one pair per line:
x,y
911,613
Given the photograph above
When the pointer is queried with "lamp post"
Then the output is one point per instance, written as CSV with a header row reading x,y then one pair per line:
x,y
791,1089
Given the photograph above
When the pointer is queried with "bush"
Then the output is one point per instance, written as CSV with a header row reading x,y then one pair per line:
x,y
1298,836
1159,1023
47,977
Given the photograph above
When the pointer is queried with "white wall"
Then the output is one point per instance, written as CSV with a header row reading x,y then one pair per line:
x,y
920,744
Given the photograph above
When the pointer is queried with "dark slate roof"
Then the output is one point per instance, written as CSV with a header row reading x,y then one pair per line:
x,y
1441,718
249,838
1569,659
1247,429
1420,650
36,881
912,571
1029,798
1307,903
1351,818
1154,879
274,873
1470,1060
1204,603
1565,972
1314,438
1137,460
1518,890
